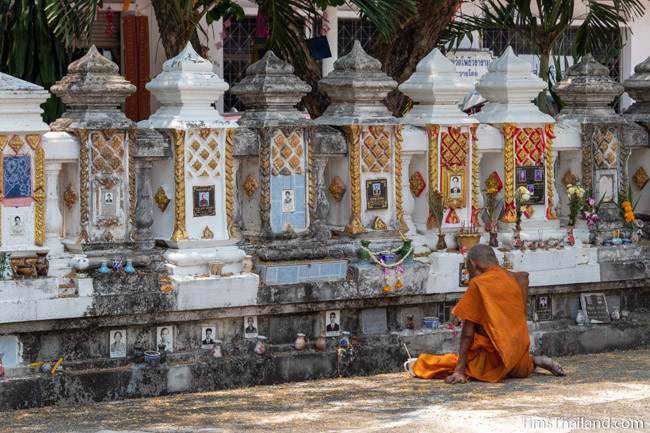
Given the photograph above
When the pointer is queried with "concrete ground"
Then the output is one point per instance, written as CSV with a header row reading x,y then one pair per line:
x,y
602,388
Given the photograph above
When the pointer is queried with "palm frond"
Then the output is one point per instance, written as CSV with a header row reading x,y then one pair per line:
x,y
601,20
72,21
386,15
287,20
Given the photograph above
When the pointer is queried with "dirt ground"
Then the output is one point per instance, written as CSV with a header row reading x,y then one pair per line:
x,y
607,392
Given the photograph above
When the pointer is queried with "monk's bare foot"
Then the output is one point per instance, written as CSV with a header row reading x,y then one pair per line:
x,y
549,364
457,377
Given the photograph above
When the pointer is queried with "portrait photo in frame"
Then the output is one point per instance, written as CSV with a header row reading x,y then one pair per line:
x,y
454,184
605,186
203,204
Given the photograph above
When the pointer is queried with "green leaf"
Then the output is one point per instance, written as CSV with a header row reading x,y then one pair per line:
x,y
71,21
225,9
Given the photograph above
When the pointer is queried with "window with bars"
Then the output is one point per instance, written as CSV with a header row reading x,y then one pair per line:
x,y
497,40
350,29
237,49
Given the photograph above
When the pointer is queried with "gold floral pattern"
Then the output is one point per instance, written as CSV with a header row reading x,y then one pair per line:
x,y
640,178
250,185
376,151
288,152
606,146
337,188
69,196
161,199
202,156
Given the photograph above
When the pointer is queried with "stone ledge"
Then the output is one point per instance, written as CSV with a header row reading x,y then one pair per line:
x,y
373,355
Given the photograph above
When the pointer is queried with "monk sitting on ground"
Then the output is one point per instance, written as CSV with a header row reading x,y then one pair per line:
x,y
494,341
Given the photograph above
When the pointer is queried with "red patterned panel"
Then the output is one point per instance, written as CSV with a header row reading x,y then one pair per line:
x,y
529,146
453,150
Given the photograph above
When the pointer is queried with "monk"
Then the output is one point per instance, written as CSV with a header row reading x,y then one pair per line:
x,y
494,341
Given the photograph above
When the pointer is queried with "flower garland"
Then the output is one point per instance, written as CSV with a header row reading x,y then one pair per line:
x,y
397,266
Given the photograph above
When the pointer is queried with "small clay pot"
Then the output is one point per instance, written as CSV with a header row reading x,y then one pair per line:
x,y
247,264
300,342
42,264
152,358
216,268
321,344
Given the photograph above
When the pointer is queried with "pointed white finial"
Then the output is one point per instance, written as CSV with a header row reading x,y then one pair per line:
x,y
510,87
437,91
186,88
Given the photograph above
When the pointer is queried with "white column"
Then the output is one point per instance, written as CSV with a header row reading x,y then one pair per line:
x,y
332,23
53,217
408,202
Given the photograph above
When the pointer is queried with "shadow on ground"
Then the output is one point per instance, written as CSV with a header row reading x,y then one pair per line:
x,y
598,388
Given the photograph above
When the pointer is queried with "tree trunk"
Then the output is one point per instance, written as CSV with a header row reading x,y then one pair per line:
x,y
542,99
415,39
174,28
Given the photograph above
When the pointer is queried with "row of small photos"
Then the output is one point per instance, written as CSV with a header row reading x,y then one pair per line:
x,y
165,334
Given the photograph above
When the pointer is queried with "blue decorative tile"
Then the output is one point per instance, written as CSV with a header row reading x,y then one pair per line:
x,y
328,270
287,275
17,176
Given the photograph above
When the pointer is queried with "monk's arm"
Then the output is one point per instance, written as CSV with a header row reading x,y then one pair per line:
x,y
522,280
466,340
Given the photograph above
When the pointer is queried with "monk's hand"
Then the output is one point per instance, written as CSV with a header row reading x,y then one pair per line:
x,y
456,377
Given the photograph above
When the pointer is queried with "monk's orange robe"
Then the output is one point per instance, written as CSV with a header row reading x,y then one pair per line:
x,y
494,301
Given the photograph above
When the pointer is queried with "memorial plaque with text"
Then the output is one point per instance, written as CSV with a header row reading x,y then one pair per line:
x,y
543,308
595,305
376,194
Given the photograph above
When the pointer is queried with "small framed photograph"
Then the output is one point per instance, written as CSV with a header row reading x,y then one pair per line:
x,y
463,275
288,200
108,202
521,175
117,343
203,200
250,327
454,180
376,194
165,337
606,186
333,323
207,336
17,227
539,175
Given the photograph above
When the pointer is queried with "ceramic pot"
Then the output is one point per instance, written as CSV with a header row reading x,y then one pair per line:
x,y
42,264
116,264
410,322
300,342
441,244
215,268
494,240
216,350
79,263
152,358
103,269
247,264
260,345
129,269
321,343
467,241
581,318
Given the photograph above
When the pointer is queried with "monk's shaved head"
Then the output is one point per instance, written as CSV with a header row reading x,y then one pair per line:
x,y
483,255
